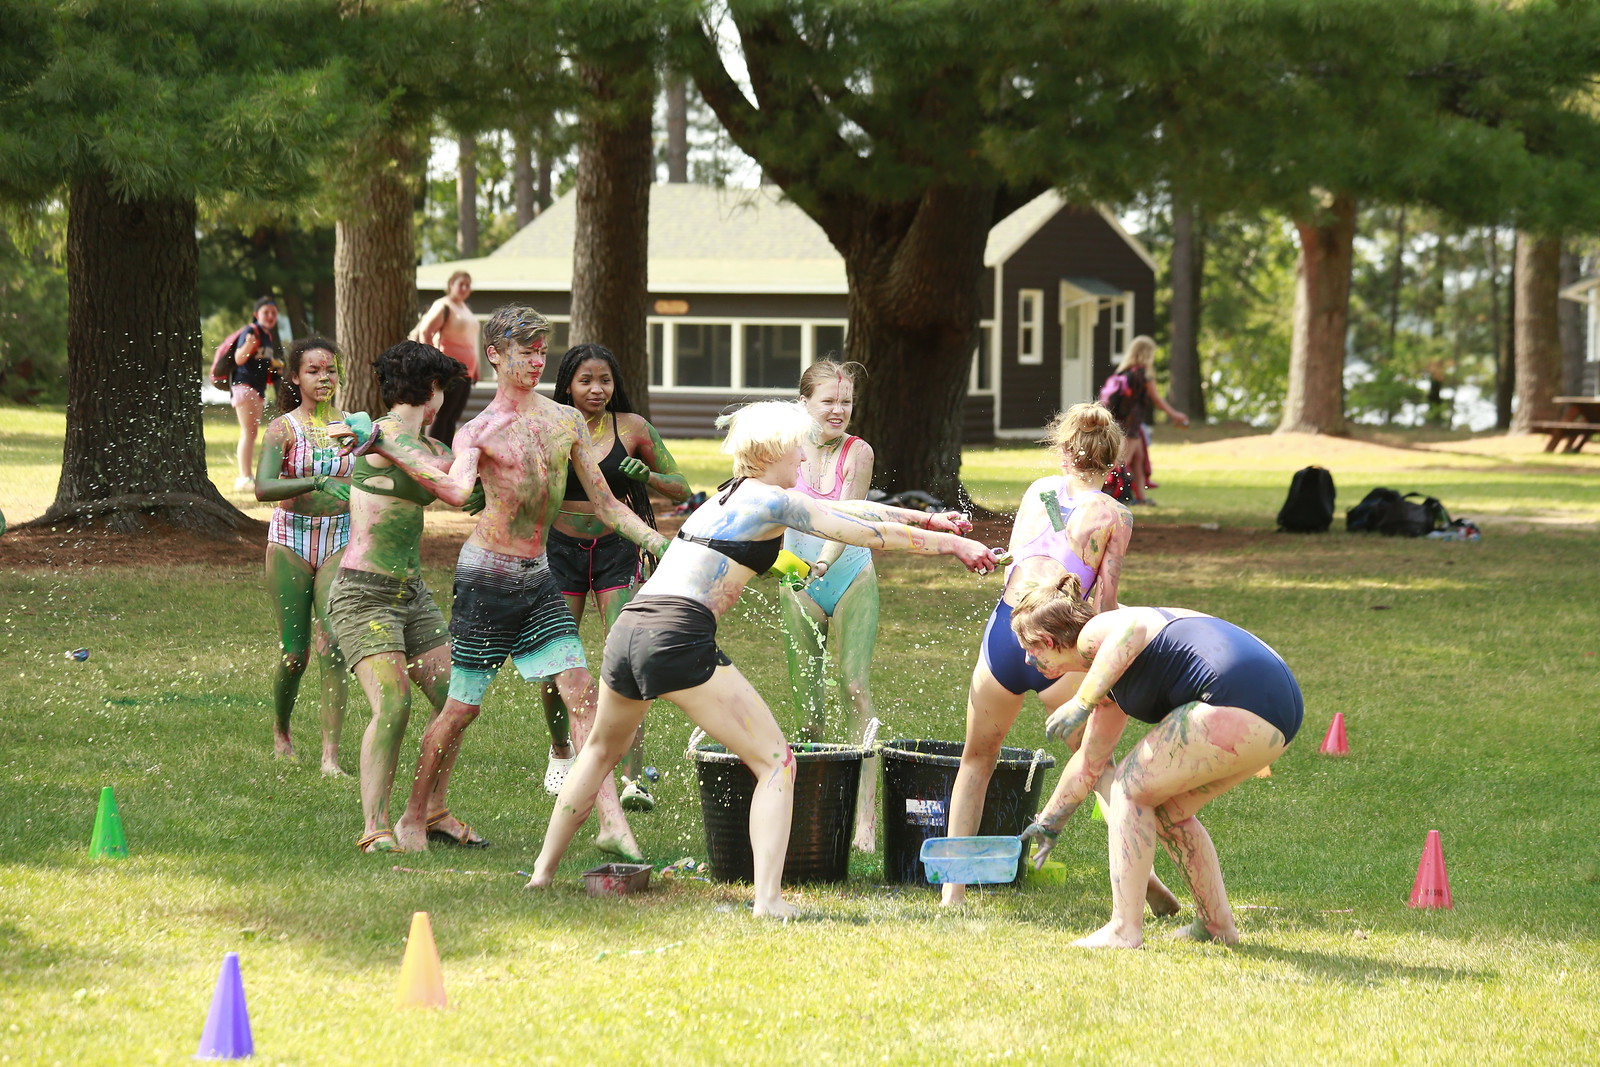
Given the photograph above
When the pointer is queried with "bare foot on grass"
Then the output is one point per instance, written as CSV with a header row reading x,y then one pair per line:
x,y
620,845
777,909
331,768
1109,937
1160,898
1196,931
282,747
866,838
952,896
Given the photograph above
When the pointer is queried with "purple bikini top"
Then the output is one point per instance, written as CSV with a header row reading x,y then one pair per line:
x,y
1054,543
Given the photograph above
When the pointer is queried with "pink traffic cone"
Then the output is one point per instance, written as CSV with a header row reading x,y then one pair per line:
x,y
1335,744
1432,887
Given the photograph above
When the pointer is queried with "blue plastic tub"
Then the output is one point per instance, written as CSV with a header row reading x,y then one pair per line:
x,y
971,860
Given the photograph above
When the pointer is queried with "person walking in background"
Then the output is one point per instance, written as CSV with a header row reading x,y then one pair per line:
x,y
1136,411
450,326
256,362
588,557
307,475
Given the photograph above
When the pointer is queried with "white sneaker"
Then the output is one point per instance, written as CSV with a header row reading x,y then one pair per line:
x,y
555,772
243,484
635,797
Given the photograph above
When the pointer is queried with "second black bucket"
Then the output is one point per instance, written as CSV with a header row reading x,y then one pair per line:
x,y
827,778
918,777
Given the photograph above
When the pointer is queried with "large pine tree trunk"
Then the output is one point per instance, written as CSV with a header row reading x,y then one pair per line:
x,y
1538,332
678,129
610,257
375,272
1315,402
914,272
134,447
1188,269
467,196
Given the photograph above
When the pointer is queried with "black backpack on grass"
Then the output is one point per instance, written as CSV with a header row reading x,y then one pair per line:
x,y
1309,507
1395,515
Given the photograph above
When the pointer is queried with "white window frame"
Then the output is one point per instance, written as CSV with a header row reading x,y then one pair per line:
x,y
669,355
1030,354
986,326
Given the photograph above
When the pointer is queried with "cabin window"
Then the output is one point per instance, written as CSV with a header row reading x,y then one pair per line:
x,y
827,342
704,354
1030,302
1121,326
771,357
982,378
658,353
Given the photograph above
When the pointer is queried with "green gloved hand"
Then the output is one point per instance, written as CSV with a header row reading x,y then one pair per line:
x,y
355,432
635,468
790,569
334,487
476,500
1044,840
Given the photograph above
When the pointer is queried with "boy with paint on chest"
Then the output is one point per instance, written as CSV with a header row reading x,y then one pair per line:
x,y
507,605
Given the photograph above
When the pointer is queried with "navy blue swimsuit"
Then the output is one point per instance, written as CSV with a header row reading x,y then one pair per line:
x,y
1202,658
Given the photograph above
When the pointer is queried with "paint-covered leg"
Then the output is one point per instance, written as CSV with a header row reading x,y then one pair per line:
x,y
616,720
1191,846
1132,843
335,674
383,678
805,632
291,589
855,635
616,836
991,709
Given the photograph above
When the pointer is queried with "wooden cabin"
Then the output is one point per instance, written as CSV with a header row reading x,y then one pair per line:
x,y
746,291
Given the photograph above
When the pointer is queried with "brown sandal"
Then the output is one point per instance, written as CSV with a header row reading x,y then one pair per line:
x,y
468,838
373,843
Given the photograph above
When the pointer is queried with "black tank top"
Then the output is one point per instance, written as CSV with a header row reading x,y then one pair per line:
x,y
610,468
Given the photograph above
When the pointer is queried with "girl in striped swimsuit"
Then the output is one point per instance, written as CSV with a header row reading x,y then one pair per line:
x,y
303,473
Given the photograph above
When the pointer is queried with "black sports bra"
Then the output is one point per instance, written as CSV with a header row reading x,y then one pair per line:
x,y
610,469
759,556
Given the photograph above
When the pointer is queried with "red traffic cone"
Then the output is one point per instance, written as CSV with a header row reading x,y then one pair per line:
x,y
1335,744
1432,887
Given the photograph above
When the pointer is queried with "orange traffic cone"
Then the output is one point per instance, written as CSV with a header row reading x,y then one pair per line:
x,y
421,980
1432,887
1265,772
1335,744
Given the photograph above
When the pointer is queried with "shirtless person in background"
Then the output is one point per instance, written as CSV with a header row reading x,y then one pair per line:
x,y
507,605
450,326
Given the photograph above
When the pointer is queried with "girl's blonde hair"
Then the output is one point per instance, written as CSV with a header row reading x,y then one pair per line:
x,y
762,433
1088,438
1059,612
827,370
1141,353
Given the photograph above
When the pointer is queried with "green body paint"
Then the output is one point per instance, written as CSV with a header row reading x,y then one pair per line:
x,y
1052,509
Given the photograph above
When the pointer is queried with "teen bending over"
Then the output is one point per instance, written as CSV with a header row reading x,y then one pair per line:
x,y
1064,525
1223,704
587,556
307,474
663,644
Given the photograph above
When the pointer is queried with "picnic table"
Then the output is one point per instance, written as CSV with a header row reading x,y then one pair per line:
x,y
1580,418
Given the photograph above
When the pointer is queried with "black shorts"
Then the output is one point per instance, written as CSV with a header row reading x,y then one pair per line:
x,y
661,644
592,565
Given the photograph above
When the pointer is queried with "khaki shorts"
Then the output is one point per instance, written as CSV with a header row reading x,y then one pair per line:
x,y
374,613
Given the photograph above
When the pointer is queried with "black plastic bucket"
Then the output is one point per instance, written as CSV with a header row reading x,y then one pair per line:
x,y
827,778
918,777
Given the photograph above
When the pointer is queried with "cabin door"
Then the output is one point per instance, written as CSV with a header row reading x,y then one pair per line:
x,y
1079,311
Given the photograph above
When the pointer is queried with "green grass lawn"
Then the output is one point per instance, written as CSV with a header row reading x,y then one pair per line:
x,y
1466,672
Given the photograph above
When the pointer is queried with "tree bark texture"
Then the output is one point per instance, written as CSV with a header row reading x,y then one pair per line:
x,y
1188,271
374,266
1538,333
1315,400
914,271
467,196
678,130
135,449
522,181
610,256
1571,314
1505,332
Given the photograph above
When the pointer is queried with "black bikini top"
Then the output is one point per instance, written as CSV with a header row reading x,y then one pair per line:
x,y
610,469
759,556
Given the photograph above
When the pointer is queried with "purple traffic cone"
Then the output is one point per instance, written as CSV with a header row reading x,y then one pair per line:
x,y
227,1032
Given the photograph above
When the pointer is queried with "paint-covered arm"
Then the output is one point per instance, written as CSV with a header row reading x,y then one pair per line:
x,y
655,467
857,480
857,522
453,485
1105,545
1086,765
1109,643
270,483
607,508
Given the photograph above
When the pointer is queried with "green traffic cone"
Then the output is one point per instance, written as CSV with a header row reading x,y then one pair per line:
x,y
108,841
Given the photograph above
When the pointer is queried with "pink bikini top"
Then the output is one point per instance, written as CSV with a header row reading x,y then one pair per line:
x,y
838,474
